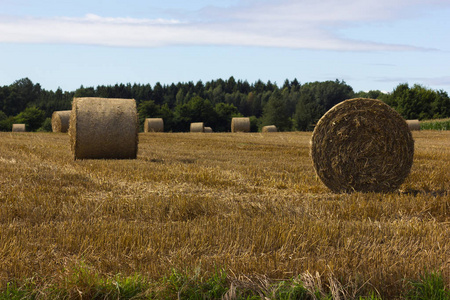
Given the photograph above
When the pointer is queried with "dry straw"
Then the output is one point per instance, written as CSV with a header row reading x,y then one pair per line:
x,y
60,121
240,125
362,145
269,128
413,124
18,128
208,130
104,128
197,127
154,125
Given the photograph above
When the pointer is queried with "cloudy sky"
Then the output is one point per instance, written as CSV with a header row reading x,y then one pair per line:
x,y
370,44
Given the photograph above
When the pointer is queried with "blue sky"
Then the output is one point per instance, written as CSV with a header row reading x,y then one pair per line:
x,y
370,44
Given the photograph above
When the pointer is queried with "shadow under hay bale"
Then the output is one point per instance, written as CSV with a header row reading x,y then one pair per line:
x,y
413,124
362,145
240,125
197,127
269,128
18,128
154,125
61,120
104,128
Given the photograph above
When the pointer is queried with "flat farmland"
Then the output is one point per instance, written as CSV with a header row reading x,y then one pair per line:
x,y
248,204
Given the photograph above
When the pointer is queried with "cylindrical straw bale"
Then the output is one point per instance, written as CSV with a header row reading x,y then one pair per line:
x,y
197,127
18,128
269,128
208,130
413,124
362,145
154,125
60,121
240,125
104,128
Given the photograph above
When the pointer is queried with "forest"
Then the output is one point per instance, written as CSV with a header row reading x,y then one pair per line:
x,y
291,107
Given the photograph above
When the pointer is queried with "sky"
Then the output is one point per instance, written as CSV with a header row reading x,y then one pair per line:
x,y
369,44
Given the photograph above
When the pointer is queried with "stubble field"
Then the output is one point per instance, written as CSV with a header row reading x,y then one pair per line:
x,y
247,204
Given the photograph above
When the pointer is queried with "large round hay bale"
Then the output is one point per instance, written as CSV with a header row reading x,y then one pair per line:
x,y
240,125
104,128
362,145
154,125
60,121
18,128
413,124
197,127
269,128
208,130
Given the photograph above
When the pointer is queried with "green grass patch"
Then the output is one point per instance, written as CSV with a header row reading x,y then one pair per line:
x,y
442,124
83,283
431,286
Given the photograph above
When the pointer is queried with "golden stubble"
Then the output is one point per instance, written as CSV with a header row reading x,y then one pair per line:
x,y
245,202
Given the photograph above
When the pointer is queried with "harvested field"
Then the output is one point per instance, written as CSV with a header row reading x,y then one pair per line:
x,y
245,202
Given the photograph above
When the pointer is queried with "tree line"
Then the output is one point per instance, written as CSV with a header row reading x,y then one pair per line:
x,y
292,106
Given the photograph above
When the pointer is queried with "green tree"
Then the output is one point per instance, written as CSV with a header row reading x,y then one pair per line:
x,y
21,93
419,102
33,117
224,112
3,116
46,125
181,118
307,112
275,113
148,109
86,92
201,110
5,125
168,116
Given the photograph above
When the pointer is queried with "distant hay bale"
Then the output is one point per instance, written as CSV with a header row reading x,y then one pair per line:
x,y
362,145
240,125
104,128
18,128
413,124
60,120
208,130
197,127
269,128
154,125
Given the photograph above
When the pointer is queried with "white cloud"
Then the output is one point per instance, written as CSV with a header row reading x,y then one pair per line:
x,y
308,24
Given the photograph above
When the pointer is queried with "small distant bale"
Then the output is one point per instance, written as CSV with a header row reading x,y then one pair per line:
x,y
413,124
240,125
362,145
197,127
104,128
208,130
61,120
154,125
269,128
18,128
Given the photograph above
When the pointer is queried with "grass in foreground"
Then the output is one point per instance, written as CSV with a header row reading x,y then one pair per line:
x,y
249,203
83,284
441,124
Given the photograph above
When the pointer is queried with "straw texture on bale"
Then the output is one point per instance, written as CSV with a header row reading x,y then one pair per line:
x,y
240,125
18,128
197,127
60,121
104,128
362,145
413,124
269,128
154,125
208,130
